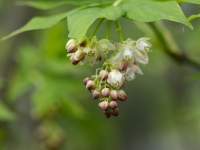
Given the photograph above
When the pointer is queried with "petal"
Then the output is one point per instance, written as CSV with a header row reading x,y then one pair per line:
x,y
120,47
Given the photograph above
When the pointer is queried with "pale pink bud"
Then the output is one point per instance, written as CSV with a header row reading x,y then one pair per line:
x,y
107,113
113,95
115,112
103,105
106,92
74,62
79,55
90,85
86,80
121,95
113,104
123,82
122,66
71,46
103,74
96,94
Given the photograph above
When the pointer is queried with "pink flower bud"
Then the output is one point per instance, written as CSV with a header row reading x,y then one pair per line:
x,y
122,66
74,62
71,46
107,113
115,112
103,105
113,95
123,82
121,95
113,104
96,94
103,74
106,92
79,55
86,80
90,85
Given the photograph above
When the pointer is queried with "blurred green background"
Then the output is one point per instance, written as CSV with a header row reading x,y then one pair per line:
x,y
45,106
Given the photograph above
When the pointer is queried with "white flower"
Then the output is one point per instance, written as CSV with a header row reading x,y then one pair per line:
x,y
130,72
102,48
115,78
89,50
143,45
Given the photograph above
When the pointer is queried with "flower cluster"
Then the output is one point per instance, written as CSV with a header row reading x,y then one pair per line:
x,y
119,67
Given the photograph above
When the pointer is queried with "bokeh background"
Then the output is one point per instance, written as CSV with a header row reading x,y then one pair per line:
x,y
45,106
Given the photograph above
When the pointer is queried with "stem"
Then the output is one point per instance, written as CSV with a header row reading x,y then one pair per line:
x,y
179,57
96,28
119,31
108,29
117,2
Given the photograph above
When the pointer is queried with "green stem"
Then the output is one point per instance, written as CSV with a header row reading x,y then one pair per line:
x,y
96,28
117,2
108,29
119,31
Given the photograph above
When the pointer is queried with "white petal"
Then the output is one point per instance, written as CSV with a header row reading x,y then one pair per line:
x,y
120,47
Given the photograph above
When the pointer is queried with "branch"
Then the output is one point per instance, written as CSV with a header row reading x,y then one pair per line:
x,y
177,56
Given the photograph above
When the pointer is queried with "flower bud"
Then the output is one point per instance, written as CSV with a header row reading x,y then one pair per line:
x,y
123,82
122,66
82,42
113,95
103,74
86,80
115,112
106,92
113,104
121,95
79,55
90,85
74,62
96,94
107,113
71,46
103,105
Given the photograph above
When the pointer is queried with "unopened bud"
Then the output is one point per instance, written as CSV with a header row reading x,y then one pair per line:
x,y
82,42
74,62
106,92
113,104
103,105
71,46
96,94
122,66
103,74
123,82
107,113
90,85
115,112
86,80
113,95
79,55
121,95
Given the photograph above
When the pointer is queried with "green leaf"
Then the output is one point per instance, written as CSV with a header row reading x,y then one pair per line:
x,y
150,10
5,113
38,23
45,5
80,21
193,17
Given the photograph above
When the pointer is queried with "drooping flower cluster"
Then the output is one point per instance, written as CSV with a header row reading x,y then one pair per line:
x,y
121,66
